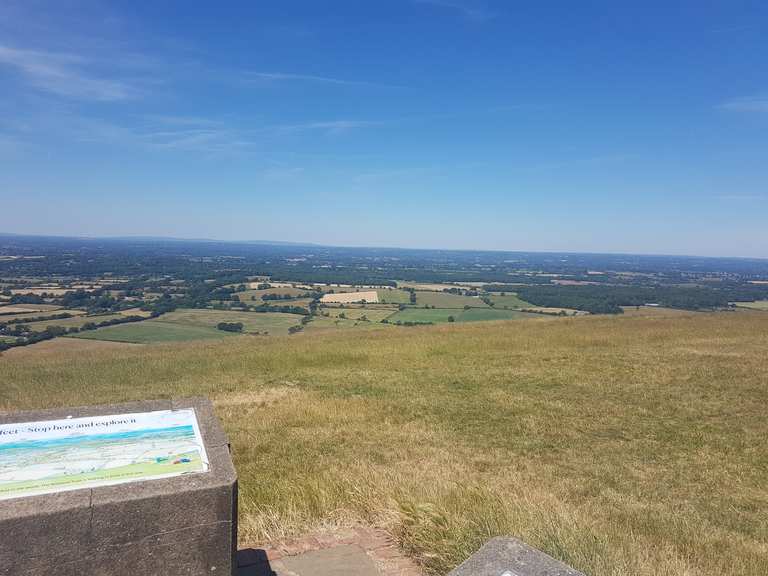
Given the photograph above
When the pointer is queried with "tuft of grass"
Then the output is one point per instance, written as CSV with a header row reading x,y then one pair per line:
x,y
625,446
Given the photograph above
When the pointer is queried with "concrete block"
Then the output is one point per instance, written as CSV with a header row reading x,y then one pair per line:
x,y
182,525
510,557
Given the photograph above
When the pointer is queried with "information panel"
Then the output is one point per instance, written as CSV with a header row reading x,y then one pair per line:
x,y
59,455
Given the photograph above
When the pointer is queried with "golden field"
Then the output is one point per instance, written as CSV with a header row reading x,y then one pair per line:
x,y
625,446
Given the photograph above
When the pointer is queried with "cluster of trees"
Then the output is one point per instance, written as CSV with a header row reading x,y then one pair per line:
x,y
602,299
461,291
276,297
288,309
230,326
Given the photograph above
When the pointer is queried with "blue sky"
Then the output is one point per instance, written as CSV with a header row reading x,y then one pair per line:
x,y
580,126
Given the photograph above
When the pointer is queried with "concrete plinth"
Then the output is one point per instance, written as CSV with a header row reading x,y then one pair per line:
x,y
511,557
184,525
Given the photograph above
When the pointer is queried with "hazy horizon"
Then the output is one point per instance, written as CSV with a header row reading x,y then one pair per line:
x,y
299,243
448,124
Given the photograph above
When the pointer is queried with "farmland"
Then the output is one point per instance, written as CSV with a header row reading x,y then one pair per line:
x,y
759,305
393,296
31,315
350,297
272,322
445,300
75,322
436,315
153,332
621,445
373,314
509,301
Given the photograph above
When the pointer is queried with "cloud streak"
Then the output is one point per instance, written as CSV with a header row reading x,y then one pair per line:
x,y
289,77
748,104
62,75
330,127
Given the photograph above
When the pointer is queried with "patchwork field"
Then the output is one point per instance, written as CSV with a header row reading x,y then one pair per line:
x,y
509,301
424,315
299,303
349,297
436,315
30,315
758,305
624,446
373,314
42,291
654,311
153,332
136,312
446,300
393,296
75,322
26,308
323,324
256,295
272,322
480,314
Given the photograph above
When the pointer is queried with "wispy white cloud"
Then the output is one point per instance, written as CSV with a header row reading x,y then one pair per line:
x,y
330,127
63,75
289,77
471,10
747,104
153,135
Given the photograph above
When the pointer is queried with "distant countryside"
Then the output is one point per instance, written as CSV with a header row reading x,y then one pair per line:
x,y
112,291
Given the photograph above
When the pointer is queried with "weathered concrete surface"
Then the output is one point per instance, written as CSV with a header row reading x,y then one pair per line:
x,y
186,525
333,550
345,560
511,557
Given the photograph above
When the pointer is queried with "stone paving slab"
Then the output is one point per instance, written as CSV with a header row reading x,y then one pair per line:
x,y
344,560
505,556
349,551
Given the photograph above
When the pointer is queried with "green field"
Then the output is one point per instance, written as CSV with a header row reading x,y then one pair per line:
x,y
509,300
624,446
323,324
373,314
436,315
480,314
272,322
446,300
30,315
153,332
393,296
257,294
75,322
299,303
757,305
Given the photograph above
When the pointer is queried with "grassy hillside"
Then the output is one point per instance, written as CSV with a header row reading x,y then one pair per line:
x,y
625,446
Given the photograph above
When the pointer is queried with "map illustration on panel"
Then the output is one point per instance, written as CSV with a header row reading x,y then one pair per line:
x,y
59,455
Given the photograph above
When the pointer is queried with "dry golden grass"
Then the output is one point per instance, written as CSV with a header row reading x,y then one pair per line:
x,y
625,446
62,346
